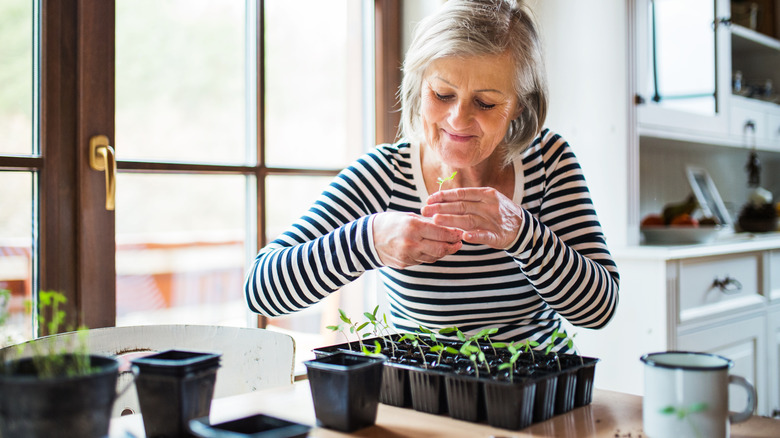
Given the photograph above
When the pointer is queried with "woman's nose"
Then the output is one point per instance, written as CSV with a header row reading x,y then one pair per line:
x,y
460,115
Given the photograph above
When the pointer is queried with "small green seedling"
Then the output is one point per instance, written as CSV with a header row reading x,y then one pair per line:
x,y
380,328
528,344
515,352
377,349
551,343
474,353
416,343
354,328
340,328
441,349
485,335
441,180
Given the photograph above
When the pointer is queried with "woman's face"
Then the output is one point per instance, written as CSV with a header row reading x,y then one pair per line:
x,y
467,105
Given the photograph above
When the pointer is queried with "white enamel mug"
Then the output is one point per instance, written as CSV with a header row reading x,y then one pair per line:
x,y
686,395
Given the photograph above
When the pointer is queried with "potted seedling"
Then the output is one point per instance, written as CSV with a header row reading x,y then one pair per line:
x,y
509,404
47,389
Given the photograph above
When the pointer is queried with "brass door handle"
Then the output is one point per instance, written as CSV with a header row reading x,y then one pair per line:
x,y
101,158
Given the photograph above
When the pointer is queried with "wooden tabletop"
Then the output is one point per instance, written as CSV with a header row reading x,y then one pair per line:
x,y
611,414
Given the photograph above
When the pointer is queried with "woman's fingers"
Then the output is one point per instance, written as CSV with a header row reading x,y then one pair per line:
x,y
484,214
404,240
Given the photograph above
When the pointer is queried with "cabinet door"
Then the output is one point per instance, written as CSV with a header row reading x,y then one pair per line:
x,y
744,342
682,73
773,367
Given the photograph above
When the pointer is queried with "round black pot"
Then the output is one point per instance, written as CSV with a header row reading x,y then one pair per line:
x,y
77,406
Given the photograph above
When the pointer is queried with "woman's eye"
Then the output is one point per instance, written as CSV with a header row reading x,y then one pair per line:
x,y
443,96
484,105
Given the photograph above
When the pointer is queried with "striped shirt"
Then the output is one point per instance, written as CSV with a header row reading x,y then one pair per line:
x,y
558,266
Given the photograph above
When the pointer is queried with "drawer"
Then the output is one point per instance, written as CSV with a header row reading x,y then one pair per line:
x,y
718,285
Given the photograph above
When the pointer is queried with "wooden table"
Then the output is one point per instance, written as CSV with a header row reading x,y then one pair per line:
x,y
611,414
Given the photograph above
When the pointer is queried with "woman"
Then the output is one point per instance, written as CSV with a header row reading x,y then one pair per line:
x,y
511,241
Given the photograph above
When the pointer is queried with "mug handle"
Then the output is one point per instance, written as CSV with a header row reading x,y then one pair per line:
x,y
738,417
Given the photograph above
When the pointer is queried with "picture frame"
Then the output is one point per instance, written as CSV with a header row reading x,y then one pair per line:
x,y
707,195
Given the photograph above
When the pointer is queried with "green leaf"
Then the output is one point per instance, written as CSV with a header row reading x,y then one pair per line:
x,y
461,336
698,407
504,366
668,410
362,326
448,330
369,316
450,350
333,328
500,345
343,317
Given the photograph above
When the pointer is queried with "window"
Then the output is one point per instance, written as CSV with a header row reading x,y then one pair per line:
x,y
214,109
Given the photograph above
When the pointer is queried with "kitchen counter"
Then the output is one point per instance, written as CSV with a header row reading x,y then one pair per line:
x,y
611,414
727,243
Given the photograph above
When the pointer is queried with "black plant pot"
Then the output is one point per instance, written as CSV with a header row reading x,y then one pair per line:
x,y
544,398
396,390
585,375
345,389
510,405
174,387
254,426
465,397
78,406
429,391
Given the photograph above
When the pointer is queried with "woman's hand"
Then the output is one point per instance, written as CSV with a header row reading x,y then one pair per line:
x,y
405,239
484,214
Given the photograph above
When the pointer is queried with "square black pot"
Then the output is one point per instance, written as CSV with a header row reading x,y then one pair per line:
x,y
396,390
429,391
465,397
544,397
174,387
345,389
510,405
254,426
585,376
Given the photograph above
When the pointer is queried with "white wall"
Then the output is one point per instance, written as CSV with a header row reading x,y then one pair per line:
x,y
587,67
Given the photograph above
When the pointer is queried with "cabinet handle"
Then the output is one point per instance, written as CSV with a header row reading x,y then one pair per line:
x,y
728,285
102,159
725,21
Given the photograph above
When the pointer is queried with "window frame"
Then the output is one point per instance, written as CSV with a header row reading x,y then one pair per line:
x,y
76,92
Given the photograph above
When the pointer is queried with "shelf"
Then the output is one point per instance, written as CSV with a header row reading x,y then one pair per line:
x,y
744,39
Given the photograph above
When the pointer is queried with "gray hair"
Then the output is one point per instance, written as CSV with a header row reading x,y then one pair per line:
x,y
475,28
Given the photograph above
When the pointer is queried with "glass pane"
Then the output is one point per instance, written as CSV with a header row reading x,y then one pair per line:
x,y
315,106
16,252
181,91
16,78
180,249
288,197
684,55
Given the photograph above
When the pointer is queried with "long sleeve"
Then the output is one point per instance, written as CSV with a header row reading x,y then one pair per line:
x,y
328,247
562,252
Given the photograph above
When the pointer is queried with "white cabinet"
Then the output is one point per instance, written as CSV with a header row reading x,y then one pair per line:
x,y
706,53
742,340
711,298
774,360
